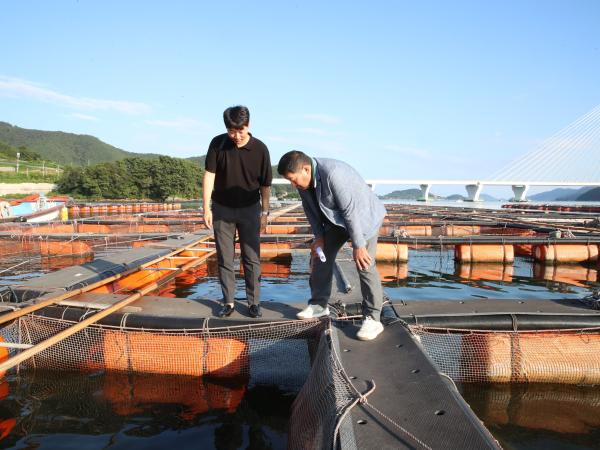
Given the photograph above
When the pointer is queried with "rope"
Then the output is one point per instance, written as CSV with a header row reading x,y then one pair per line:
x,y
362,399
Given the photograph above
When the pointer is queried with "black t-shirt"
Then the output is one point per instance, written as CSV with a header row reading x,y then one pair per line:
x,y
239,172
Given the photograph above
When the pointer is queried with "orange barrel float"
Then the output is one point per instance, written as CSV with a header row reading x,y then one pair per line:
x,y
499,253
175,354
275,249
103,209
507,231
387,230
416,230
176,205
457,230
73,211
85,211
137,208
566,253
128,209
95,210
92,228
540,357
485,271
391,251
50,248
144,207
286,229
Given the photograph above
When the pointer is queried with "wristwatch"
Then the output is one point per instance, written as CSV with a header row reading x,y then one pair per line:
x,y
264,213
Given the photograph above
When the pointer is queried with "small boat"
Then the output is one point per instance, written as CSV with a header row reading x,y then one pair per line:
x,y
33,208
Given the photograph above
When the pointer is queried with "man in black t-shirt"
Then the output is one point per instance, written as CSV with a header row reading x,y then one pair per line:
x,y
238,180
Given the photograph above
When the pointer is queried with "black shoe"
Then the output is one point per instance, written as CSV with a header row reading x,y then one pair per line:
x,y
255,311
226,310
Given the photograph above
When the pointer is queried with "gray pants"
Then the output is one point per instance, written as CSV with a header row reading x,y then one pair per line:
x,y
321,275
247,223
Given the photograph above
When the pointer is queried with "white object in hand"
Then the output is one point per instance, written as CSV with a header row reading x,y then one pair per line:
x,y
319,251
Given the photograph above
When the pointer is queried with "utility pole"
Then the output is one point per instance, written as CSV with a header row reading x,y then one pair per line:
x,y
18,156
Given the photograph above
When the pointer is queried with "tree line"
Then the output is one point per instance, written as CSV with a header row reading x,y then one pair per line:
x,y
134,178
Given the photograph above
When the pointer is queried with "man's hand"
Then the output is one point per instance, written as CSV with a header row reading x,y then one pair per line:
x,y
362,258
263,222
208,218
317,242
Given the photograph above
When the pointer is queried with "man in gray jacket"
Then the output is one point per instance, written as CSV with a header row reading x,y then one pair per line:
x,y
339,205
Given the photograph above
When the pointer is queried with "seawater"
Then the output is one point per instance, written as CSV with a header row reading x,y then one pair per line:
x,y
50,410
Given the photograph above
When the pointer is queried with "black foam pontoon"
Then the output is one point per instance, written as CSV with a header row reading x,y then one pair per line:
x,y
409,392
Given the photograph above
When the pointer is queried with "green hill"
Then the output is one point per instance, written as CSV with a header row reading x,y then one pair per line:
x,y
407,194
65,148
592,195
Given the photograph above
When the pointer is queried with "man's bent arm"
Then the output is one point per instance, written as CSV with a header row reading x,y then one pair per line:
x,y
265,195
341,188
207,188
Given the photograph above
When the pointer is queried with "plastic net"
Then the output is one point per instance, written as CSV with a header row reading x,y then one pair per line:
x,y
552,356
266,352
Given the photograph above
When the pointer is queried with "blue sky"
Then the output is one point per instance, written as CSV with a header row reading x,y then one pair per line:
x,y
397,89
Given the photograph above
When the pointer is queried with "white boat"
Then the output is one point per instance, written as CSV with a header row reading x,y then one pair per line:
x,y
33,208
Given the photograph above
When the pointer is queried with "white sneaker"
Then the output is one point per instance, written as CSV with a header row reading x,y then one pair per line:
x,y
313,311
369,330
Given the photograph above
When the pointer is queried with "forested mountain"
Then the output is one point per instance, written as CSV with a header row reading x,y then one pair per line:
x,y
65,148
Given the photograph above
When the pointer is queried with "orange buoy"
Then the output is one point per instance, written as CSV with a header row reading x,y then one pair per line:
x,y
136,208
500,253
85,211
73,211
566,253
50,248
275,249
286,229
523,249
457,230
416,230
146,352
541,357
92,228
391,251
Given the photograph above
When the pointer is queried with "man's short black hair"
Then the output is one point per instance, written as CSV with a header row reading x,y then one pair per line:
x,y
292,162
236,117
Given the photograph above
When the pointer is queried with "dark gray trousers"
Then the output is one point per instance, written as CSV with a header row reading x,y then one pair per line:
x,y
321,275
247,223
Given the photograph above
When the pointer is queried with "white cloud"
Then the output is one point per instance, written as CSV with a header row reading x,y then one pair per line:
x,y
14,87
182,123
84,117
323,118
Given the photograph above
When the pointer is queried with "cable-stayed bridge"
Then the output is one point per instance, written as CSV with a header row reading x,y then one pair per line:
x,y
570,157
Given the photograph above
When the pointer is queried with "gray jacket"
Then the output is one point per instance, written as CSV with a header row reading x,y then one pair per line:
x,y
345,199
